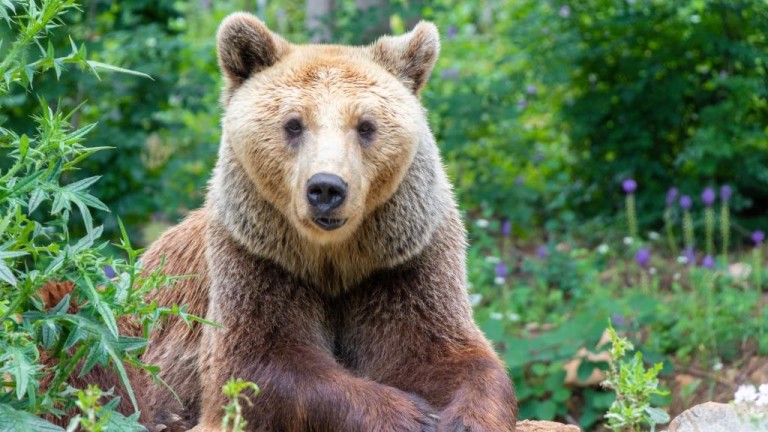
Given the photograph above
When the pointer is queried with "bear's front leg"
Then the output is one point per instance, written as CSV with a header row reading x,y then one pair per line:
x,y
412,328
274,331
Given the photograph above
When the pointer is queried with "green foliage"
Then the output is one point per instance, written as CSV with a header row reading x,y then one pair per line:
x,y
668,92
38,249
542,310
634,386
540,109
233,412
97,418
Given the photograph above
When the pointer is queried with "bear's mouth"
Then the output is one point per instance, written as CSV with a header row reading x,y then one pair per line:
x,y
329,224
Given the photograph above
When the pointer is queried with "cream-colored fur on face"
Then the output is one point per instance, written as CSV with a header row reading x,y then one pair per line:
x,y
330,89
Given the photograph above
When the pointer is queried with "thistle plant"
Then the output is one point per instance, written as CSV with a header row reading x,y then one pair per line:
x,y
88,403
757,258
506,233
95,417
725,219
233,412
38,208
708,198
685,204
643,258
629,187
668,222
634,386
706,287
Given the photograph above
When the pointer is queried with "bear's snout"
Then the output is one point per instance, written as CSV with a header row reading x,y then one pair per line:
x,y
326,193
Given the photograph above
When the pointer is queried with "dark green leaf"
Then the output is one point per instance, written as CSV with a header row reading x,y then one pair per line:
x,y
12,420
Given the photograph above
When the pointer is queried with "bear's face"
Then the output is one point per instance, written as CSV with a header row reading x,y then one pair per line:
x,y
326,133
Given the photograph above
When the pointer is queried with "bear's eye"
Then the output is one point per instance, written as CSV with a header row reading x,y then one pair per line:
x,y
293,128
366,129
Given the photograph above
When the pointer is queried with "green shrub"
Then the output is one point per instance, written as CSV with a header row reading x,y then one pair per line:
x,y
634,387
40,202
670,93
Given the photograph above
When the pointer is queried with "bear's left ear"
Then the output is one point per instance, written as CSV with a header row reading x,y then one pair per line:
x,y
246,46
409,57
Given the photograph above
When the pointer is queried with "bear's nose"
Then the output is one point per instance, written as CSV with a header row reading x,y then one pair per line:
x,y
326,192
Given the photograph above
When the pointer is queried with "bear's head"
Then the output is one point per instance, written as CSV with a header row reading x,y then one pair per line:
x,y
325,133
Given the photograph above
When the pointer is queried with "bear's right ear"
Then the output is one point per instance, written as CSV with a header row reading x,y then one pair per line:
x,y
246,46
409,57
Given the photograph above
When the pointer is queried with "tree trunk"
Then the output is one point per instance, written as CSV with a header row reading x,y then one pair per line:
x,y
376,14
319,22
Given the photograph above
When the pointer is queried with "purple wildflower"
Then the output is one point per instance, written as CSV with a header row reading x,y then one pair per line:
x,y
450,73
542,252
501,270
564,11
758,237
617,320
506,228
671,196
109,272
629,186
708,197
451,32
725,193
643,257
708,262
522,104
690,256
686,202
531,89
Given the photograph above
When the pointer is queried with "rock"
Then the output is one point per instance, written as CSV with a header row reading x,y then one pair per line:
x,y
739,270
544,426
718,417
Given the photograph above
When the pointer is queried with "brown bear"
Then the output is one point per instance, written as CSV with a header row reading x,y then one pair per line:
x,y
330,250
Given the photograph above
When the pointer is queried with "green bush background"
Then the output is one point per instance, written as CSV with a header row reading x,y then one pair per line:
x,y
541,109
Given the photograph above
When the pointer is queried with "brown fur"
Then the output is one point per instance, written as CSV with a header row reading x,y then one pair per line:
x,y
366,328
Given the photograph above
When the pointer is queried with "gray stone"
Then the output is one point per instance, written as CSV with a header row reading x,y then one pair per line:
x,y
544,426
718,417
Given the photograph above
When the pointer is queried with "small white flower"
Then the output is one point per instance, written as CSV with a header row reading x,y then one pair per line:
x,y
475,299
499,280
745,394
493,259
682,259
717,366
628,240
653,235
482,223
652,271
603,249
513,317
496,316
762,397
676,276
